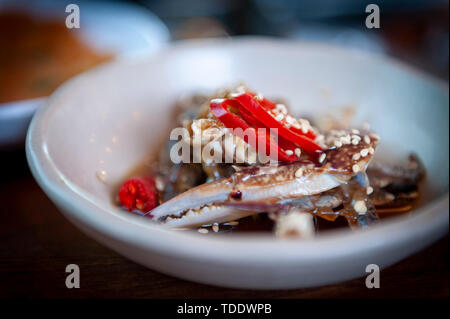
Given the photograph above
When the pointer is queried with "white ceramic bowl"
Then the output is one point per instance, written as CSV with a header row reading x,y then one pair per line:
x,y
110,118
123,29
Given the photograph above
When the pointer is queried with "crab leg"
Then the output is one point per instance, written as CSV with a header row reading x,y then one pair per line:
x,y
208,202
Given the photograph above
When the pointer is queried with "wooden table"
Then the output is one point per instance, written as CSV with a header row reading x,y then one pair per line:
x,y
37,243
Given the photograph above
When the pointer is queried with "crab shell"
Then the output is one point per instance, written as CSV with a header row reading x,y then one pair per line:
x,y
222,200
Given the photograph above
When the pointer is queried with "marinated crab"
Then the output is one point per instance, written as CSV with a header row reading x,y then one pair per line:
x,y
303,184
316,178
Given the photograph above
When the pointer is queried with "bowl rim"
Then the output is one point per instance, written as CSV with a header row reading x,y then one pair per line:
x,y
432,219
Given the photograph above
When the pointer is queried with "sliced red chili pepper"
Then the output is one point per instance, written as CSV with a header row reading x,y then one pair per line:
x,y
139,193
266,103
254,108
309,134
269,105
219,107
250,119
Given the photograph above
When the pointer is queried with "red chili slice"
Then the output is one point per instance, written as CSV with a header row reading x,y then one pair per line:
x,y
250,119
269,105
257,111
219,107
265,103
139,193
309,134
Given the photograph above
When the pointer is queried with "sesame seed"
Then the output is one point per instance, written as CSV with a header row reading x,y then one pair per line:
x,y
306,126
390,196
279,117
371,150
202,230
355,141
289,152
259,97
356,156
364,152
281,108
303,122
337,143
383,182
367,139
346,139
375,136
159,183
290,120
356,168
369,190
298,152
299,172
355,131
101,176
240,89
215,227
360,207
322,157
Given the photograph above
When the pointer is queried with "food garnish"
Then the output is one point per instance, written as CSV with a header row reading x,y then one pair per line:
x,y
139,193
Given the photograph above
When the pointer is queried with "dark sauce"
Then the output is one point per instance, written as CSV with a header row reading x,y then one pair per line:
x,y
251,224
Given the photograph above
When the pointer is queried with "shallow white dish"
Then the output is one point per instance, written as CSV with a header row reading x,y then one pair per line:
x,y
111,117
122,29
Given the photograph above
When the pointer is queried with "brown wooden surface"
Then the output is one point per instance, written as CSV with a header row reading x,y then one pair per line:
x,y
37,243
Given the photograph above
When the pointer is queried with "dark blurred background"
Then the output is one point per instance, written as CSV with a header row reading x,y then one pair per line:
x,y
415,31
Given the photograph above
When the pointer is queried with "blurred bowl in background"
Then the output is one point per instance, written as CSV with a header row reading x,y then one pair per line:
x,y
122,30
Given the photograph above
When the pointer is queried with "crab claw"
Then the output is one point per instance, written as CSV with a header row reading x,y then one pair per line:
x,y
207,203
226,199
